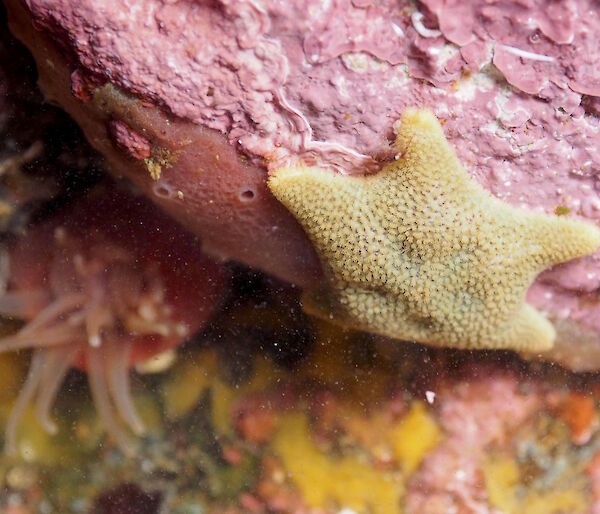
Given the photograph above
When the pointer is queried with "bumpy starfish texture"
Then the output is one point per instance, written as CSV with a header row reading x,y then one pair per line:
x,y
420,251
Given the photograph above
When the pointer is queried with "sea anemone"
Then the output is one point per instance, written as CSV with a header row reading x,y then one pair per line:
x,y
97,292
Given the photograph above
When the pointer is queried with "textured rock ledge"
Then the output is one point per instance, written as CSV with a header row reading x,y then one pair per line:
x,y
518,100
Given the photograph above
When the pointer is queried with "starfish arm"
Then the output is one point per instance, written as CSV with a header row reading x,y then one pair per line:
x,y
415,122
309,193
423,146
356,308
528,330
562,239
298,188
331,209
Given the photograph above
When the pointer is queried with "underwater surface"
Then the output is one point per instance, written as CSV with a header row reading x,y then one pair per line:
x,y
265,409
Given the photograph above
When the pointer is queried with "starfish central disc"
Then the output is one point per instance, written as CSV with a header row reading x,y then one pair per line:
x,y
420,251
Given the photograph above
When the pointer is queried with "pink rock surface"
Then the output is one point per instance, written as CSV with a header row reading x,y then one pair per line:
x,y
209,187
515,83
476,412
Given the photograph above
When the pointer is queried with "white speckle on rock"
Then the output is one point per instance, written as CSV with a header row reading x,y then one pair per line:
x,y
417,21
469,86
398,30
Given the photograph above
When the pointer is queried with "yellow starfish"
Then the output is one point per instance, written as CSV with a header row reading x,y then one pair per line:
x,y
420,251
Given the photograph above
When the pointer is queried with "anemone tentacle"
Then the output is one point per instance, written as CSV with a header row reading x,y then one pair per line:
x,y
91,312
55,369
25,397
101,395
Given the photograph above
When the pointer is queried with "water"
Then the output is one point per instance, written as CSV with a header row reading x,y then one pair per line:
x,y
262,408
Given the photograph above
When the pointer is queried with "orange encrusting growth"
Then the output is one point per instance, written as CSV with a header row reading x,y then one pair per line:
x,y
101,286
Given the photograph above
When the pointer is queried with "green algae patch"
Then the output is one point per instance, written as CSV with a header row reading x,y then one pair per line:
x,y
222,400
149,410
13,367
186,383
35,445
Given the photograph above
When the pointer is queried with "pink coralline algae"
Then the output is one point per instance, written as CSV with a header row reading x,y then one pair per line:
x,y
535,42
480,410
136,145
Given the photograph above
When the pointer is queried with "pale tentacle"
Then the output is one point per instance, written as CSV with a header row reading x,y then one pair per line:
x,y
25,397
24,304
100,394
117,374
97,317
55,309
56,366
54,336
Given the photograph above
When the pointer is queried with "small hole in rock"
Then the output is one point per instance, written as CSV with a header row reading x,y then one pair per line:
x,y
247,195
163,191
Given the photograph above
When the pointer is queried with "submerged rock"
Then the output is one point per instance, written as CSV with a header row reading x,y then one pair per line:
x,y
197,102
